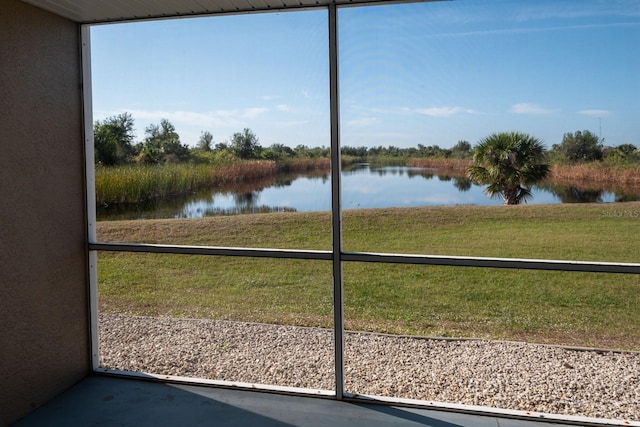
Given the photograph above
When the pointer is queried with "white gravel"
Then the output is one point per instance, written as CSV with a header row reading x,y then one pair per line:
x,y
488,373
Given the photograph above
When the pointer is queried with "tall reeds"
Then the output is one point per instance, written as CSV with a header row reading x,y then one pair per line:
x,y
142,183
596,173
305,164
588,174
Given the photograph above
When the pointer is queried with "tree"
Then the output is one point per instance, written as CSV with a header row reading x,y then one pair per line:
x,y
577,147
508,162
113,140
221,146
627,149
245,145
278,152
623,154
461,150
433,151
205,141
360,152
162,144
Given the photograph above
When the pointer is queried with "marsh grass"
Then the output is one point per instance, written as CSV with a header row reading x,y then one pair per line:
x,y
587,175
583,309
300,165
143,183
458,166
598,174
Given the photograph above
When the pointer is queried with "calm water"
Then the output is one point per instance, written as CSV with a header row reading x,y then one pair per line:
x,y
363,186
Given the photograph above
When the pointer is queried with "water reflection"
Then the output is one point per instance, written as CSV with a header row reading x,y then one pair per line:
x,y
571,194
462,183
363,186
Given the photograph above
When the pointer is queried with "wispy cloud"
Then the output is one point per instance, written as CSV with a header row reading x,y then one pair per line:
x,y
252,113
444,111
291,123
531,109
558,10
526,30
595,113
362,121
521,12
218,118
283,107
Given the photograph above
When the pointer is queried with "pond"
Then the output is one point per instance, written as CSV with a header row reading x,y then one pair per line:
x,y
363,186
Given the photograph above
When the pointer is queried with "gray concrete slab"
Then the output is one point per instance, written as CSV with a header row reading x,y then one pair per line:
x,y
111,401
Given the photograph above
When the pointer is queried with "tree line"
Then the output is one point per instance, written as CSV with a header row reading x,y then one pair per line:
x,y
114,145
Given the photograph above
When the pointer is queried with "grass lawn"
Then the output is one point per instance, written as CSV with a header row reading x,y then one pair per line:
x,y
584,309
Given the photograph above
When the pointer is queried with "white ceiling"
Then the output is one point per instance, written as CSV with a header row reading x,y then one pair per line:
x,y
95,11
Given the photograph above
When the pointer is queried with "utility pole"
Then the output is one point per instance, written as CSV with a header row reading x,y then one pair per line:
x,y
600,128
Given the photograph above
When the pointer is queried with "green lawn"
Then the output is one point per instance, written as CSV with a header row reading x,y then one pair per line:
x,y
584,309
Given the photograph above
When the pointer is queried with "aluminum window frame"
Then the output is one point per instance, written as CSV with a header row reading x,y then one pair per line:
x,y
337,255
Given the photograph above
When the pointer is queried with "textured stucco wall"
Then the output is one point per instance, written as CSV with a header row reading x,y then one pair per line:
x,y
44,346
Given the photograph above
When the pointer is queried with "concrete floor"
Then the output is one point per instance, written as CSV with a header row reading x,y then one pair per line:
x,y
110,401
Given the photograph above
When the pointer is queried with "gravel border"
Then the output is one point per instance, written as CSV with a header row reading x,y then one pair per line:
x,y
507,375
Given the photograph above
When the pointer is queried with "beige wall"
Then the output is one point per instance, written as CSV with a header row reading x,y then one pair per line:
x,y
44,345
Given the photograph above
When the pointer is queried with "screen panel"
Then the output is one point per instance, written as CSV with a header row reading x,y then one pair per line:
x,y
212,117
232,319
425,86
538,341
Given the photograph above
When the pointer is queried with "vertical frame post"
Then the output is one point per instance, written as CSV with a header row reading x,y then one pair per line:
x,y
336,198
87,104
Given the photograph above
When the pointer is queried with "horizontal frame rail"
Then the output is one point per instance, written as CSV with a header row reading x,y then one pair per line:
x,y
442,260
212,251
511,263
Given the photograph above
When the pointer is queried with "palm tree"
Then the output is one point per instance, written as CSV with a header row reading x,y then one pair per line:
x,y
509,162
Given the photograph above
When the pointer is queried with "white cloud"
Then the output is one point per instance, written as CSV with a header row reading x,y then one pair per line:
x,y
531,109
444,111
509,31
209,118
535,11
190,123
223,122
363,121
252,113
595,113
217,118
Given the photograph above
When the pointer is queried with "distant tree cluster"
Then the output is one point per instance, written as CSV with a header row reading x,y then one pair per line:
x,y
585,146
113,140
623,154
114,145
462,150
578,147
162,145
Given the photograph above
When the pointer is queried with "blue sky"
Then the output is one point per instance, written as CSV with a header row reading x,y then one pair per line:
x,y
424,73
